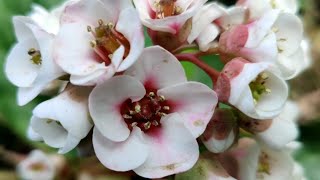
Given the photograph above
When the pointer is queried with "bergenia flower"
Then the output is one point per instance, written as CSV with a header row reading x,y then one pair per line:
x,y
64,120
204,31
30,64
256,162
148,119
270,132
259,7
221,131
167,15
37,166
97,39
275,37
252,88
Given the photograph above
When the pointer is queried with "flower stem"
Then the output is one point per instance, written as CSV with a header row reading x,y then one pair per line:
x,y
213,74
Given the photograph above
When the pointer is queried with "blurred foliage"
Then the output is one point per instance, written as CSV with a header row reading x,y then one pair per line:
x,y
14,119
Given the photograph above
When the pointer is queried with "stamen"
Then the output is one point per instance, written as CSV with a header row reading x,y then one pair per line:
x,y
258,87
151,94
155,123
137,108
147,125
35,56
126,116
167,108
162,98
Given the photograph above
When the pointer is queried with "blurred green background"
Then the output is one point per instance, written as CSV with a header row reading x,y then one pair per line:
x,y
14,119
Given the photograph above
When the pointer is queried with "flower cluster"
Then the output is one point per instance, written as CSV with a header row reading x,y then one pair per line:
x,y
136,102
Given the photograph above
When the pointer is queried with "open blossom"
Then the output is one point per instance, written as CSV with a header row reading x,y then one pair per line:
x,y
30,64
37,166
204,31
252,88
258,162
275,37
64,120
221,131
148,119
97,39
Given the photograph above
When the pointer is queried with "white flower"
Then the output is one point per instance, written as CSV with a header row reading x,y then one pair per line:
x,y
204,31
30,64
220,133
275,37
37,166
255,162
97,39
252,88
167,15
64,120
148,119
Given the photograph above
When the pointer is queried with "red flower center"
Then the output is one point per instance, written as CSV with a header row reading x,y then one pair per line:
x,y
146,113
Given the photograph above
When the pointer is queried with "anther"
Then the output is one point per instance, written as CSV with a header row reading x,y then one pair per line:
x,y
155,123
137,108
268,90
100,22
161,114
134,124
162,98
32,51
151,94
89,29
147,125
132,112
126,116
264,76
166,108
93,44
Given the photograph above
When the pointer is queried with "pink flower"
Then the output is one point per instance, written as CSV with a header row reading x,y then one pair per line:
x,y
97,39
253,88
148,119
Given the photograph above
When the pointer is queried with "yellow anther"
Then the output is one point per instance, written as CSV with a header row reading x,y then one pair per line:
x,y
126,116
147,125
162,98
167,108
137,108
100,22
152,94
93,44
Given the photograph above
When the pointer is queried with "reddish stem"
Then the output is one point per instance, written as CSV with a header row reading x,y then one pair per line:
x,y
213,74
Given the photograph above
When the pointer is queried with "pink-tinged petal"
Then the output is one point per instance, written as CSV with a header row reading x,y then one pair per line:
x,y
71,111
289,32
234,16
275,136
22,31
95,78
195,102
105,101
134,33
203,19
172,24
219,134
155,68
88,11
256,7
260,28
121,156
73,53
207,36
19,68
246,154
172,149
265,51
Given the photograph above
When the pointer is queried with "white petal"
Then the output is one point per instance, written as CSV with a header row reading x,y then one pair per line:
x,y
203,19
73,53
256,7
121,156
19,68
289,6
157,66
144,7
70,109
289,34
234,16
133,31
22,31
173,149
260,28
195,103
104,102
275,136
208,35
291,66
33,135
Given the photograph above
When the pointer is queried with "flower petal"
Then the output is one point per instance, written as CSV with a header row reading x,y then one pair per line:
x,y
208,35
134,33
121,156
217,145
104,102
173,149
156,66
195,103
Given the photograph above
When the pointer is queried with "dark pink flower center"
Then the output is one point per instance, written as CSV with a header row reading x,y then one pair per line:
x,y
146,113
